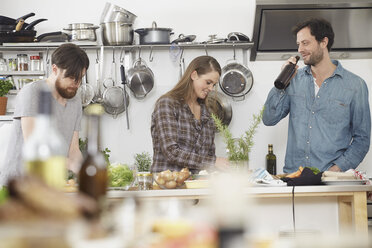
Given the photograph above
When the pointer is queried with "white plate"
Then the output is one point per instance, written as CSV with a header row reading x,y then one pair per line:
x,y
345,182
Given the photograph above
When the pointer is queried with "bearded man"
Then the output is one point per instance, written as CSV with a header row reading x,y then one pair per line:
x,y
69,65
329,117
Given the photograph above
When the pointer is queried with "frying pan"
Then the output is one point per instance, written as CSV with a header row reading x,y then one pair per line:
x,y
4,20
25,35
11,27
219,105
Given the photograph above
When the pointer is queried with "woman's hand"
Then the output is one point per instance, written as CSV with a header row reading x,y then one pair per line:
x,y
222,164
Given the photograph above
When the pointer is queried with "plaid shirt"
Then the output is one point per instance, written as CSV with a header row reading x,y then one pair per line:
x,y
179,140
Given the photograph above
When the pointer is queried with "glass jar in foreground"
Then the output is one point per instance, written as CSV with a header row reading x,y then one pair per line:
x,y
144,181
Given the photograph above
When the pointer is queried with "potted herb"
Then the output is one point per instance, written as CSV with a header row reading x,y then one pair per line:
x,y
5,87
238,148
143,161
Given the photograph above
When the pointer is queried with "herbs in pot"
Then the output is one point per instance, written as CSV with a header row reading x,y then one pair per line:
x,y
143,161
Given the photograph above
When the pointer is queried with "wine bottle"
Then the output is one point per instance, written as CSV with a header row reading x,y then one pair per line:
x,y
283,80
271,161
93,172
44,153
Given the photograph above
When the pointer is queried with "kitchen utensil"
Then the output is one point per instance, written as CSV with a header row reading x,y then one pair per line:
x,y
26,34
113,96
117,33
140,78
237,37
82,31
53,37
109,82
154,35
182,38
86,92
124,82
98,95
213,39
114,13
219,105
10,21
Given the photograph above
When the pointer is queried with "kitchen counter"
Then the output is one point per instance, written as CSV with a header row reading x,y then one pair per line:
x,y
350,199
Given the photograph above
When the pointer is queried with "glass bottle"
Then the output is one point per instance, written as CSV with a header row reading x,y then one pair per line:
x,y
22,62
93,172
44,154
271,161
35,63
285,75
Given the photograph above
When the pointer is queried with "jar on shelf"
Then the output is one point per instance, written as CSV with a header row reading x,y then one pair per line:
x,y
35,64
22,62
3,65
12,64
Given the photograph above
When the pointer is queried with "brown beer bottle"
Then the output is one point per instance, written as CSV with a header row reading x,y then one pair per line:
x,y
93,172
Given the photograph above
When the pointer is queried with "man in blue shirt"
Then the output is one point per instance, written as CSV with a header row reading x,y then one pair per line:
x,y
329,117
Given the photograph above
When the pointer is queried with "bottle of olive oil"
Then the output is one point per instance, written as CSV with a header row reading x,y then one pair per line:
x,y
44,155
93,172
271,161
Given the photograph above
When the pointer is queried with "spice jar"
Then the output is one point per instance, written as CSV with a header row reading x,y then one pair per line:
x,y
35,63
3,66
144,181
22,62
12,64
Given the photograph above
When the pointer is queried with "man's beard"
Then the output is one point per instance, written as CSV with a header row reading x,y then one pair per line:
x,y
65,93
315,58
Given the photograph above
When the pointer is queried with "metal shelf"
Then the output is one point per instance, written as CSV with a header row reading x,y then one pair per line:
x,y
49,45
7,117
22,73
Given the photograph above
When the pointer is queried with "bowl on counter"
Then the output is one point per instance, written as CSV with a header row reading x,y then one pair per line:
x,y
197,184
172,179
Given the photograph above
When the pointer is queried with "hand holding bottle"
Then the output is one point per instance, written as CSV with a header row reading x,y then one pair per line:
x,y
289,70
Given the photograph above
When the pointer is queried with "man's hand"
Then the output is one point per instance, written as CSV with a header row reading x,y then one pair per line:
x,y
335,168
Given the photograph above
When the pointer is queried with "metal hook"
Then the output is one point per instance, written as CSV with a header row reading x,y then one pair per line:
x,y
97,55
121,55
151,58
113,55
139,53
47,56
234,50
206,51
181,55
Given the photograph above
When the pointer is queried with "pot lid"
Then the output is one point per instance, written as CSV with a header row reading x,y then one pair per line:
x,y
213,39
184,38
237,37
155,27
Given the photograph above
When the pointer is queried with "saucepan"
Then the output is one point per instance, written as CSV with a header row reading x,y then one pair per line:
x,y
154,35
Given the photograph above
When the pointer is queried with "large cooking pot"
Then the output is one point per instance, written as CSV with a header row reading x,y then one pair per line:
x,y
236,80
82,31
114,13
117,33
154,35
219,105
140,79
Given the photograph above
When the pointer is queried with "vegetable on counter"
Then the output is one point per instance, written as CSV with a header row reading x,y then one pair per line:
x,y
120,175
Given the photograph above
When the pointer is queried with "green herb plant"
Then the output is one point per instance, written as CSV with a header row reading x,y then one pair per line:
x,y
5,87
143,161
238,148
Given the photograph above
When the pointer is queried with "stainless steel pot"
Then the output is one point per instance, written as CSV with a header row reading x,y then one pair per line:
x,y
82,31
114,13
219,105
117,33
154,35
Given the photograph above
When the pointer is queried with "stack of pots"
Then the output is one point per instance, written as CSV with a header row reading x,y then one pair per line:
x,y
117,26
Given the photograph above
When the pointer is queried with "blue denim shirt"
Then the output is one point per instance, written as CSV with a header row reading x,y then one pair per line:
x,y
330,128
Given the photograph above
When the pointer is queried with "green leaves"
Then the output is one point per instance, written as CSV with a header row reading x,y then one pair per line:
x,y
143,161
238,149
5,87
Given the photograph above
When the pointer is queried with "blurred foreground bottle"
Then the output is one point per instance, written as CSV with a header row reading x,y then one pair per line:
x,y
271,161
93,172
43,152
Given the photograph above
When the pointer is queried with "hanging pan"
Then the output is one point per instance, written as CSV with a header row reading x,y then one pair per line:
x,y
236,79
86,92
219,105
140,78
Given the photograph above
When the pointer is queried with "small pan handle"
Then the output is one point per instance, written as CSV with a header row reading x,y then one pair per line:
x,y
25,17
32,24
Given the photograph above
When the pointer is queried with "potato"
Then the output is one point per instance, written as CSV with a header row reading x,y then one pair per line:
x,y
160,181
171,185
182,176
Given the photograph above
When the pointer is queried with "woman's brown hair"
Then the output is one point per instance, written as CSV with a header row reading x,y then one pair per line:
x,y
184,88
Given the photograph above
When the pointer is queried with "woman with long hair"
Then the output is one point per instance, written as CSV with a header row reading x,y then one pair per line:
x,y
182,129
